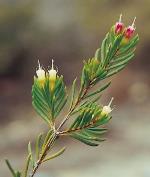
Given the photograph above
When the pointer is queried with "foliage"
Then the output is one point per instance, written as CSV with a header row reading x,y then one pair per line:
x,y
86,128
47,103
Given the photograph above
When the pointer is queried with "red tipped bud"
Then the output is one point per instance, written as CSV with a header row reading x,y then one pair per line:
x,y
119,26
130,30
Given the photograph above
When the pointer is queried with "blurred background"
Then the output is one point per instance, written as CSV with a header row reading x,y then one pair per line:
x,y
69,31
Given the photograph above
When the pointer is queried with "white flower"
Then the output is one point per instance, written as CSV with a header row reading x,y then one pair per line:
x,y
107,109
40,72
52,76
52,73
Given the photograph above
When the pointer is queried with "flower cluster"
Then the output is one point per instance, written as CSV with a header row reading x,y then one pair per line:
x,y
127,31
42,74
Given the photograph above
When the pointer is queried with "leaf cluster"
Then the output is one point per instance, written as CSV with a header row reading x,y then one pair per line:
x,y
112,56
47,103
87,126
34,154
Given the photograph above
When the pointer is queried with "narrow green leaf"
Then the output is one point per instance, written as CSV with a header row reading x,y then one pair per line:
x,y
61,151
120,58
59,86
123,63
98,54
40,103
48,96
60,93
98,91
48,135
60,106
102,121
86,117
114,48
36,93
85,76
84,140
18,174
130,45
30,152
85,104
73,93
100,131
10,168
104,49
115,71
91,136
97,129
27,165
99,76
38,145
76,123
111,36
40,112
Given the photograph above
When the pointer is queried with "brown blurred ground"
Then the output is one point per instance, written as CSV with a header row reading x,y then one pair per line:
x,y
68,32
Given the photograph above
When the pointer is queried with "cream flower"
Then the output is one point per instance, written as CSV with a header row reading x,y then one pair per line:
x,y
52,76
40,72
107,109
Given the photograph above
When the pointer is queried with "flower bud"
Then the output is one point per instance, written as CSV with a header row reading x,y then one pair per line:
x,y
119,26
52,76
107,109
40,74
130,30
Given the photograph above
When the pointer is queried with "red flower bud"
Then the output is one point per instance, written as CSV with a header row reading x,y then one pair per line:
x,y
119,26
130,30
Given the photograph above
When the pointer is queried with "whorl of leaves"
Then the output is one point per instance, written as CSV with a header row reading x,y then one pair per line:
x,y
109,59
87,126
47,103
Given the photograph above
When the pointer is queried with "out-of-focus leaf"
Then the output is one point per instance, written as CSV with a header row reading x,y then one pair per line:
x,y
98,54
31,154
27,165
10,168
18,174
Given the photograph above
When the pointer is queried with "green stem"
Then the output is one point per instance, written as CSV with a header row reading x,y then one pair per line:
x,y
56,133
48,145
